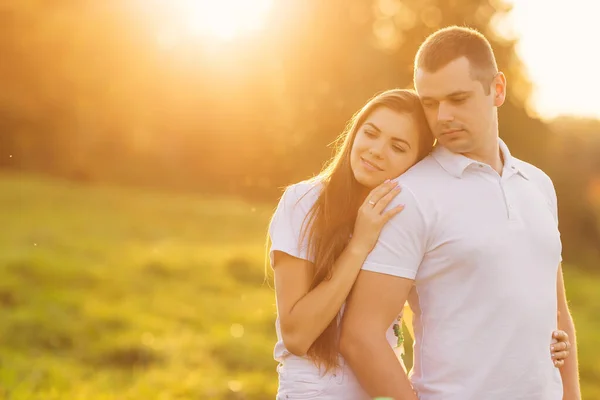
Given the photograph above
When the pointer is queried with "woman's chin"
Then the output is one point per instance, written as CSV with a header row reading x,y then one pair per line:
x,y
367,181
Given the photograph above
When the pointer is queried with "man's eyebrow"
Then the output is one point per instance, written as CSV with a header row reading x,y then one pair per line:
x,y
459,93
453,94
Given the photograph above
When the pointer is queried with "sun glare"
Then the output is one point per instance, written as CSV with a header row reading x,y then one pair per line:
x,y
216,19
557,51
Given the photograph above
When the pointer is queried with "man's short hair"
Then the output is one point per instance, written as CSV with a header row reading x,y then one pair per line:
x,y
452,42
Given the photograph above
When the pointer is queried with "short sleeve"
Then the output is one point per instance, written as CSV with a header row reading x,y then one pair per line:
x,y
287,223
553,200
545,184
553,203
403,240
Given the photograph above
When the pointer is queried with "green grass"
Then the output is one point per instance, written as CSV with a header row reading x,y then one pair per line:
x,y
112,293
116,294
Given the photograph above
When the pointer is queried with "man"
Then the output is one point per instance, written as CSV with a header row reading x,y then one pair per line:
x,y
476,252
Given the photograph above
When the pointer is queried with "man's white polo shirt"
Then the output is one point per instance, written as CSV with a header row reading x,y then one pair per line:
x,y
484,251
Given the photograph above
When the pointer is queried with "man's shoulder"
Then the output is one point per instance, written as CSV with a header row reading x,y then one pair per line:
x,y
533,172
428,167
424,177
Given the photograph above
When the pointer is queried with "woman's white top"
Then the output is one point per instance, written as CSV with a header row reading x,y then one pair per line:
x,y
299,378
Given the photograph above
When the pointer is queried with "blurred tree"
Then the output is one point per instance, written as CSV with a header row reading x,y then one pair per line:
x,y
574,164
106,91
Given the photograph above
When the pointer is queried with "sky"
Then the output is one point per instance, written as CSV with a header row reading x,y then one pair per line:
x,y
558,43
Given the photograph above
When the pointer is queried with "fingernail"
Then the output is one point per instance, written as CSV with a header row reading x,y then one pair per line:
x,y
554,341
552,348
386,181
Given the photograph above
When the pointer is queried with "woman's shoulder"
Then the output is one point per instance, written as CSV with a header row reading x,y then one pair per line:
x,y
304,192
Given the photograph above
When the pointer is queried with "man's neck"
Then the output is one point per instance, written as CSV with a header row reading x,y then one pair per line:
x,y
491,156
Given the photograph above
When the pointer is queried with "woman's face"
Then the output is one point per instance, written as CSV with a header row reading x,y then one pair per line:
x,y
385,146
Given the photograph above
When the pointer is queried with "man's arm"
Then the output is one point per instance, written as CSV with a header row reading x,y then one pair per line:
x,y
375,302
377,298
569,372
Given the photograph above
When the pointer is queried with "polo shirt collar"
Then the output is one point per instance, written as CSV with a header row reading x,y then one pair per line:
x,y
456,164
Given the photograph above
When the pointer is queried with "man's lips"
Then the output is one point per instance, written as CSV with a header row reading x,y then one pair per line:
x,y
450,132
371,165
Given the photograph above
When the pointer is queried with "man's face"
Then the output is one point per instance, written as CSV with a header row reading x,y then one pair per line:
x,y
460,113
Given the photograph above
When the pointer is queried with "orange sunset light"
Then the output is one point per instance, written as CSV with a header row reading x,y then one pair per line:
x,y
218,20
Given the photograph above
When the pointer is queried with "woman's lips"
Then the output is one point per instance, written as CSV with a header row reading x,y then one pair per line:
x,y
370,166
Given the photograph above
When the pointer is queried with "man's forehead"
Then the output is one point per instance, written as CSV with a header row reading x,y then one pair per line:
x,y
452,78
460,65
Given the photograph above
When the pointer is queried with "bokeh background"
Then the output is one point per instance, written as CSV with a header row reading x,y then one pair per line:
x,y
144,145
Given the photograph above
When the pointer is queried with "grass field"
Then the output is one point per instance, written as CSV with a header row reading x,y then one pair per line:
x,y
112,293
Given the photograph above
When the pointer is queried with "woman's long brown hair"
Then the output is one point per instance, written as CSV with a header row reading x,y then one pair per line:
x,y
329,224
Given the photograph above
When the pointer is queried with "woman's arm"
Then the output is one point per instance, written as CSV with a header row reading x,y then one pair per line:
x,y
304,314
570,370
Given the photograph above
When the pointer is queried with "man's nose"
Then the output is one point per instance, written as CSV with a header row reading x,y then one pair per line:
x,y
445,113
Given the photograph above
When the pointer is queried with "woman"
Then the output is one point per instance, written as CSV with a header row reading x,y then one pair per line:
x,y
318,246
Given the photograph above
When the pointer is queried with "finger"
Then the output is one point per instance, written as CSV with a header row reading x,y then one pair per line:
x,y
561,336
559,363
558,347
390,213
376,194
560,355
385,200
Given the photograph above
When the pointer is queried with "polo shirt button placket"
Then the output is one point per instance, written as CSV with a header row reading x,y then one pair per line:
x,y
509,208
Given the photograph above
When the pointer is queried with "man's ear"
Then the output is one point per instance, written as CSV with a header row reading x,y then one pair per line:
x,y
499,89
